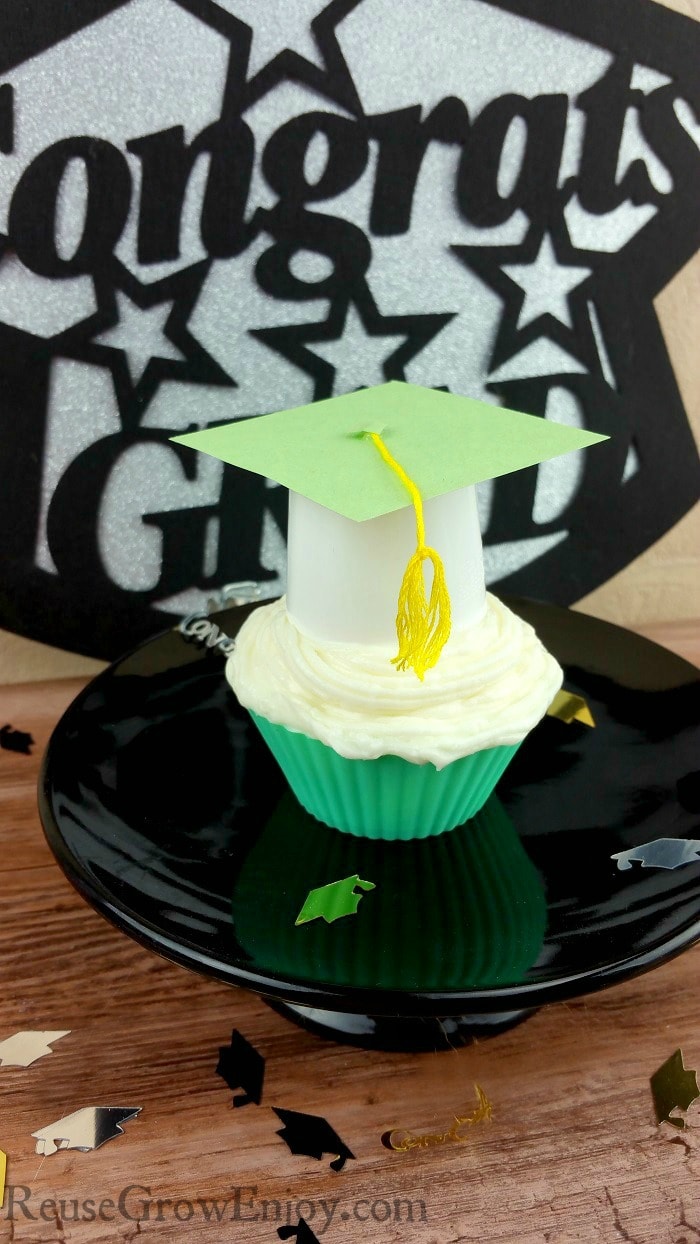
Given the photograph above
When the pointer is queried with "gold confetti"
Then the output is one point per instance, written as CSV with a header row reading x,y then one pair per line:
x,y
3,1173
401,1141
569,707
24,1048
674,1087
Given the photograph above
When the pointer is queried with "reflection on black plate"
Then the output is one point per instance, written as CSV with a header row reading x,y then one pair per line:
x,y
168,813
463,910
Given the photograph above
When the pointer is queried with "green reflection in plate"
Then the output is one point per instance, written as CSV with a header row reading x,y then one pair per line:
x,y
464,910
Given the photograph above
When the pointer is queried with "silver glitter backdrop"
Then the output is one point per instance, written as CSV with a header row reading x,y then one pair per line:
x,y
151,65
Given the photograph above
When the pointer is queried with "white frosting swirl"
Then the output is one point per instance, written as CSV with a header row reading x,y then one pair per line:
x,y
492,684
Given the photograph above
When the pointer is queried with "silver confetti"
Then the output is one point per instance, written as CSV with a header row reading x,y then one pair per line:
x,y
661,853
85,1129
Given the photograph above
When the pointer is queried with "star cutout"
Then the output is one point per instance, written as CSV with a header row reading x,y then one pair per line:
x,y
546,284
277,25
237,34
541,285
367,347
293,39
140,332
357,344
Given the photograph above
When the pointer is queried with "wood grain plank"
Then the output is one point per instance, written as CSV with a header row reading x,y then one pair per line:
x,y
573,1153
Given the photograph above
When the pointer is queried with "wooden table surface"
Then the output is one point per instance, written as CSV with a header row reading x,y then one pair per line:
x,y
573,1152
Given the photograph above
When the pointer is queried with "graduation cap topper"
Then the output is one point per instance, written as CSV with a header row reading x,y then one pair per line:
x,y
360,468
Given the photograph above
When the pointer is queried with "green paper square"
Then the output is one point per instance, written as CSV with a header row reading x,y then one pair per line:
x,y
442,440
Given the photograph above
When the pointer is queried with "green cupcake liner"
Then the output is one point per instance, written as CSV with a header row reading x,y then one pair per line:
x,y
388,798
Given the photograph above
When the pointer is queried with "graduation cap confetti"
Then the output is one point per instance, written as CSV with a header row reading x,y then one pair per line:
x,y
661,853
331,902
25,1048
241,1066
16,740
569,707
673,1087
312,1136
85,1129
361,456
401,1140
299,1230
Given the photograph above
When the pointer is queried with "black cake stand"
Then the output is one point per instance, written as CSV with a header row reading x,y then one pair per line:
x,y
168,814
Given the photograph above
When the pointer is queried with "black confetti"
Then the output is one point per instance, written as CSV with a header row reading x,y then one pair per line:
x,y
16,740
302,1231
312,1136
241,1066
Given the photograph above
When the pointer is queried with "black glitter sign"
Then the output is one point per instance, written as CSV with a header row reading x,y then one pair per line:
x,y
260,208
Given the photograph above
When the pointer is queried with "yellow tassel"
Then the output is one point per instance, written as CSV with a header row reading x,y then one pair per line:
x,y
422,626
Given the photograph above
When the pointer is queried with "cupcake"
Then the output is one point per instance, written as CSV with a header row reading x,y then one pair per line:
x,y
375,751
392,689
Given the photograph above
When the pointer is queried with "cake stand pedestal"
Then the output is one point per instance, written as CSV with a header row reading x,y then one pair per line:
x,y
384,1032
